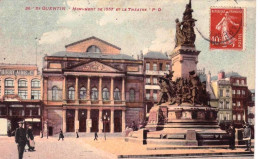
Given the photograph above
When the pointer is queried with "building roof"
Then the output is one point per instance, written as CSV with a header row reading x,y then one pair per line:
x,y
92,37
93,55
156,55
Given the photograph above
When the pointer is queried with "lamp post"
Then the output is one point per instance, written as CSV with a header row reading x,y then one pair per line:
x,y
105,121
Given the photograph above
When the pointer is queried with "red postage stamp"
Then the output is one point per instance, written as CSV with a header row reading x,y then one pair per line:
x,y
227,28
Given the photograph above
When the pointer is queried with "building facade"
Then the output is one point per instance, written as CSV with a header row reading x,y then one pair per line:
x,y
240,100
156,64
21,94
92,87
222,89
251,107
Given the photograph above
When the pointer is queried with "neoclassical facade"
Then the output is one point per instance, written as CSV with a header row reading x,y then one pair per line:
x,y
92,87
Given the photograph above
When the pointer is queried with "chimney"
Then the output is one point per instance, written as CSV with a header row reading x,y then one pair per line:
x,y
221,75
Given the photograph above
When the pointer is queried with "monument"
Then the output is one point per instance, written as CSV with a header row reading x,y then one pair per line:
x,y
183,115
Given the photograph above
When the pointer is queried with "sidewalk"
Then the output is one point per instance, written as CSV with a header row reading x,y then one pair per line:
x,y
122,149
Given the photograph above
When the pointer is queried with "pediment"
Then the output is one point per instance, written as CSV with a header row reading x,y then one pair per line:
x,y
94,66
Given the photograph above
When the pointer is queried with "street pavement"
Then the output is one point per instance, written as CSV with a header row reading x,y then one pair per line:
x,y
51,148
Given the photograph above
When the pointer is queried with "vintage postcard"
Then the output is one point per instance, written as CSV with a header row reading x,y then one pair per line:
x,y
102,79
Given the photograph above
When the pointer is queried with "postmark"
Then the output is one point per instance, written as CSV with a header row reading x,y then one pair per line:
x,y
227,28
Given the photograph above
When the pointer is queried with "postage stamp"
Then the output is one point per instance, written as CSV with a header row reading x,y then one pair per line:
x,y
227,28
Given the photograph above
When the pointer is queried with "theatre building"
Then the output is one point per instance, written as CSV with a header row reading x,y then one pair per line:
x,y
91,87
20,97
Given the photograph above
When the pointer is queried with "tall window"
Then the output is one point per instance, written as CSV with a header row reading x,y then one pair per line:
x,y
54,93
147,66
221,105
242,82
228,105
234,92
228,116
234,117
160,66
167,67
147,95
36,94
243,92
237,81
227,93
155,66
82,93
148,80
131,95
154,80
9,82
221,116
117,94
238,116
94,94
36,83
238,92
22,83
155,95
221,93
22,94
238,103
105,94
93,49
71,93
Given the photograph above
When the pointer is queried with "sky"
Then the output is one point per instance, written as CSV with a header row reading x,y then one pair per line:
x,y
132,31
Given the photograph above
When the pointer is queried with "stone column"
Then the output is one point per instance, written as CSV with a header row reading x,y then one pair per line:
x,y
77,90
112,121
88,91
29,89
100,90
123,89
76,119
88,117
123,120
64,90
64,120
100,123
112,91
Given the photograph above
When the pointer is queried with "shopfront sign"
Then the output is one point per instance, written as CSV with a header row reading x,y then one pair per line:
x,y
16,72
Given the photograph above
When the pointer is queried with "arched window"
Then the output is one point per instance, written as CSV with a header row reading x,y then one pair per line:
x,y
71,93
93,49
117,94
82,93
54,93
9,82
131,95
105,94
94,94
22,83
35,83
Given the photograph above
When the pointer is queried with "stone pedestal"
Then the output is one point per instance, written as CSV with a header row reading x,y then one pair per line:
x,y
184,60
191,139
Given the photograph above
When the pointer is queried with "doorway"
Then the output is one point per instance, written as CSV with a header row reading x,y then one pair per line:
x,y
82,120
70,118
94,117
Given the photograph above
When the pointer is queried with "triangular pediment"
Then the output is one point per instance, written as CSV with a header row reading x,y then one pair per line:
x,y
94,66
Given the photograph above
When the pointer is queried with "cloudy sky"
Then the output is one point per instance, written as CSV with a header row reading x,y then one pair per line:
x,y
132,31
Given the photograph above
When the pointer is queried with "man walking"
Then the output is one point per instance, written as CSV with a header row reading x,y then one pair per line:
x,y
96,136
20,139
247,137
30,136
231,131
61,136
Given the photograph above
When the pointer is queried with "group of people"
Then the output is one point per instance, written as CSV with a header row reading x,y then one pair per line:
x,y
246,136
24,137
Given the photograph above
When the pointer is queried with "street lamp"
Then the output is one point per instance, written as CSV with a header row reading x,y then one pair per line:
x,y
105,121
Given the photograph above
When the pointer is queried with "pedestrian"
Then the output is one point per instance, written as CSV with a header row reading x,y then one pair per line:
x,y
96,136
30,139
20,139
77,134
247,137
61,136
231,131
41,134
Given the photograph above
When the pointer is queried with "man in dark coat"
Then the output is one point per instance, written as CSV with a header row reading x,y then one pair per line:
x,y
247,137
20,139
96,136
61,136
231,131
